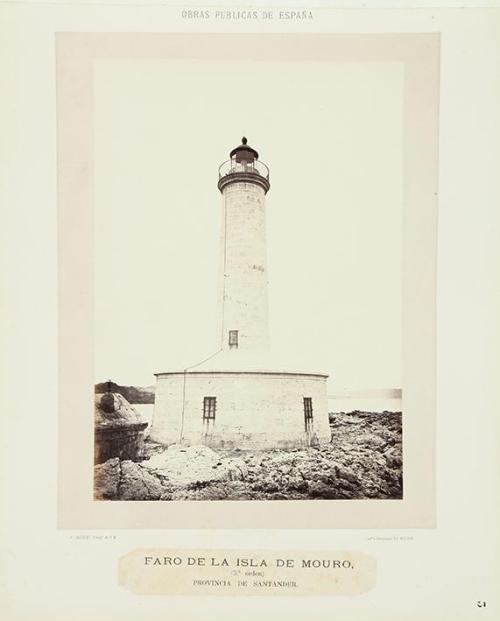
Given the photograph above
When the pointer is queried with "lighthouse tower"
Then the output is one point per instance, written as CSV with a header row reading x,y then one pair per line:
x,y
243,395
243,303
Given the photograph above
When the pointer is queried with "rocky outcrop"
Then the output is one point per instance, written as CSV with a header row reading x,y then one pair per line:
x,y
194,465
364,460
125,480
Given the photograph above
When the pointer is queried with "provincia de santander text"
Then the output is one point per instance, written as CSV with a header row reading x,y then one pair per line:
x,y
269,14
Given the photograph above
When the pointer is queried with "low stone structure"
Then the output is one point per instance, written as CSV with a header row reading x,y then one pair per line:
x,y
243,409
119,429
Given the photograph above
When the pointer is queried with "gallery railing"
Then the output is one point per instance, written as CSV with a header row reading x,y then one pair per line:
x,y
232,167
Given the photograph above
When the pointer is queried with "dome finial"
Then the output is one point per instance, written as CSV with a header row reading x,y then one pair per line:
x,y
244,152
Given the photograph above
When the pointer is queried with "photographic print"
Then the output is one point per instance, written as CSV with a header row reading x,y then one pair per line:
x,y
248,294
256,296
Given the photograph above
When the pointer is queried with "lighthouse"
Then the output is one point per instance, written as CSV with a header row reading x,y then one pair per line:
x,y
243,300
243,395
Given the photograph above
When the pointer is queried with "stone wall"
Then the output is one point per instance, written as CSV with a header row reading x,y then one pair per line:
x,y
126,442
118,429
253,410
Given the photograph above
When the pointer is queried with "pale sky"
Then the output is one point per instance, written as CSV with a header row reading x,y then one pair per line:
x,y
331,134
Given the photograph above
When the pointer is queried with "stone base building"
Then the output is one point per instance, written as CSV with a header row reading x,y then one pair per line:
x,y
240,406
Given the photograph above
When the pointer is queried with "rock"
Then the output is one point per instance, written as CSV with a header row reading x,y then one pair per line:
x,y
347,474
364,461
236,469
322,490
137,483
106,479
126,480
266,484
393,461
278,496
182,466
214,491
298,485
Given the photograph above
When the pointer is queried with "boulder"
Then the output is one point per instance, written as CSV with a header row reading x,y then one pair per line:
x,y
182,466
106,479
126,480
322,490
138,484
346,474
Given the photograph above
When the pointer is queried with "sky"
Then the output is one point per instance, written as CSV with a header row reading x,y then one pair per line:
x,y
331,134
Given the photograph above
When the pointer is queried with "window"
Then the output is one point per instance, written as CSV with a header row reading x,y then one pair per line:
x,y
308,413
209,408
233,339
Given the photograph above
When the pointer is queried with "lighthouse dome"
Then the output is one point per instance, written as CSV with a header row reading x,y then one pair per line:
x,y
244,152
243,166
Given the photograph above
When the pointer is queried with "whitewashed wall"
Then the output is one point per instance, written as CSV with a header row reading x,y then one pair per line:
x,y
254,410
243,297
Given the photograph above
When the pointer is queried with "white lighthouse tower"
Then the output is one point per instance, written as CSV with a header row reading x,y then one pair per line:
x,y
243,305
241,396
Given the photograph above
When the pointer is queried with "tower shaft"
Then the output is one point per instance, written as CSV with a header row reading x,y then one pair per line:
x,y
243,302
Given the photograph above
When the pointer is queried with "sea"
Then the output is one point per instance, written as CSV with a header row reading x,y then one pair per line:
x,y
335,404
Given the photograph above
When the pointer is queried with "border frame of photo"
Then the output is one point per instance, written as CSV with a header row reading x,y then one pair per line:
x,y
76,54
